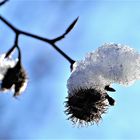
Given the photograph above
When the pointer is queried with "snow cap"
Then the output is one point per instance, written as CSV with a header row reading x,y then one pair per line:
x,y
110,63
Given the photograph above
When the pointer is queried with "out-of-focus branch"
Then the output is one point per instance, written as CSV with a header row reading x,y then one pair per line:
x,y
3,2
50,41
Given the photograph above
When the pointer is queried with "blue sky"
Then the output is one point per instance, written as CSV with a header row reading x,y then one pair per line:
x,y
39,112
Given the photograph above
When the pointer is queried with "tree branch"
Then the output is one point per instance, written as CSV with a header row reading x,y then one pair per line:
x,y
3,2
49,41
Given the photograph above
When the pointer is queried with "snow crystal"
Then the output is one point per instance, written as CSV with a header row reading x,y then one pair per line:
x,y
110,63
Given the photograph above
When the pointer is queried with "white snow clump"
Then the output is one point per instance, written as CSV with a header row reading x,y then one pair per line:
x,y
110,63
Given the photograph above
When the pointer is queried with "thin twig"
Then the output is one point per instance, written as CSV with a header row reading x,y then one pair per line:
x,y
14,46
66,32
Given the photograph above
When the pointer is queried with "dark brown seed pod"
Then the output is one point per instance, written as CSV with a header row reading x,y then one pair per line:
x,y
16,77
85,106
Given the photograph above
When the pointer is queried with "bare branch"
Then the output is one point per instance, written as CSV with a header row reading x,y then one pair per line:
x,y
3,2
8,24
50,41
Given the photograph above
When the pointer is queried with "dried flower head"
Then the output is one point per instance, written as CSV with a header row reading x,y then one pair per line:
x,y
85,106
14,76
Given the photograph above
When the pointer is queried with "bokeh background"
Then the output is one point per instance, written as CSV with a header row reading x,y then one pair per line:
x,y
39,111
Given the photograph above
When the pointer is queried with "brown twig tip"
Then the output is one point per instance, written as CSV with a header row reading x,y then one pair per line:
x,y
71,26
3,2
66,32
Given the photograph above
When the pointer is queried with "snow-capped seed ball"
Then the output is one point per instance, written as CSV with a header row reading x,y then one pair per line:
x,y
85,106
91,77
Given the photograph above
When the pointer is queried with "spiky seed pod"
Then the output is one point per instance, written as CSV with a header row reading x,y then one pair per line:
x,y
91,78
85,106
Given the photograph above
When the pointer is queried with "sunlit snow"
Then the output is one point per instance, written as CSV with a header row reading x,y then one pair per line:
x,y
110,63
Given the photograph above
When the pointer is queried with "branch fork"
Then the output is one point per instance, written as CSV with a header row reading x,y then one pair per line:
x,y
52,42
